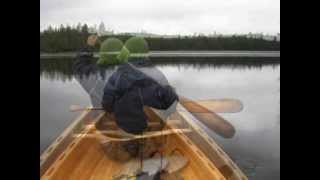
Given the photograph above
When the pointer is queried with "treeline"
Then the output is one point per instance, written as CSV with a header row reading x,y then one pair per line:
x,y
63,39
66,39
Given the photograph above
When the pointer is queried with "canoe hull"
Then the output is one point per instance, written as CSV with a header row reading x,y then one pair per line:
x,y
71,157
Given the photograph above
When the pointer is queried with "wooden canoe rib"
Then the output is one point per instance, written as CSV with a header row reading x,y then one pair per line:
x,y
81,158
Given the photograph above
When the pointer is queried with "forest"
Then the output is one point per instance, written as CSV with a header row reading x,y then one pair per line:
x,y
70,39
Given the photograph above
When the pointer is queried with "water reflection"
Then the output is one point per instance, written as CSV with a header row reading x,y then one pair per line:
x,y
60,69
56,69
216,63
256,145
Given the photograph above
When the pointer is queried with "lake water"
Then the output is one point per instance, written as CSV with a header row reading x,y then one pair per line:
x,y
256,145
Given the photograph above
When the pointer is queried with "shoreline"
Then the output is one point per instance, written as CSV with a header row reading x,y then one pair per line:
x,y
184,54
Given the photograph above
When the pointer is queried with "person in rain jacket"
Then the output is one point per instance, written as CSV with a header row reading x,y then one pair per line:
x,y
123,81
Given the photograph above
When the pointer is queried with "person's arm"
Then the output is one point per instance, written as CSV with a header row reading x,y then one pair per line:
x,y
84,63
86,72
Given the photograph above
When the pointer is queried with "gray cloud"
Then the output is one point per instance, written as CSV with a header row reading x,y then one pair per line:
x,y
166,16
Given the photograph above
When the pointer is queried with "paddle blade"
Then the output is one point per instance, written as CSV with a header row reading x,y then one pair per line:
x,y
216,123
210,119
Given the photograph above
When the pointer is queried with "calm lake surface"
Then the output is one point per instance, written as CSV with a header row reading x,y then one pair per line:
x,y
256,82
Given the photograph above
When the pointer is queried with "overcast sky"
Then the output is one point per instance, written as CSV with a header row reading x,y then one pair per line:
x,y
166,16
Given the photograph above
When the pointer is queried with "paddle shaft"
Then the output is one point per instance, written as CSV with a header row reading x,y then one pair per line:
x,y
86,109
213,105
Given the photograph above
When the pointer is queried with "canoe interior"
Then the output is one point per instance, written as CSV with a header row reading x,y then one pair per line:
x,y
82,158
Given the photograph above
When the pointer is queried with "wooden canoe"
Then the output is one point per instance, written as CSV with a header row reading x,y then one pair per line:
x,y
79,158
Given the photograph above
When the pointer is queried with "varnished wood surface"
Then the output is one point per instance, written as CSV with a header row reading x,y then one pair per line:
x,y
222,105
208,146
84,159
66,138
87,161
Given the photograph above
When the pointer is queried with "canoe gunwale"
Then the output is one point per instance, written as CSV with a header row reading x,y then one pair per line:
x,y
214,147
58,146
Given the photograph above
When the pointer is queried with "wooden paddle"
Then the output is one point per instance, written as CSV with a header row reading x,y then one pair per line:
x,y
205,115
219,105
75,108
208,118
213,105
